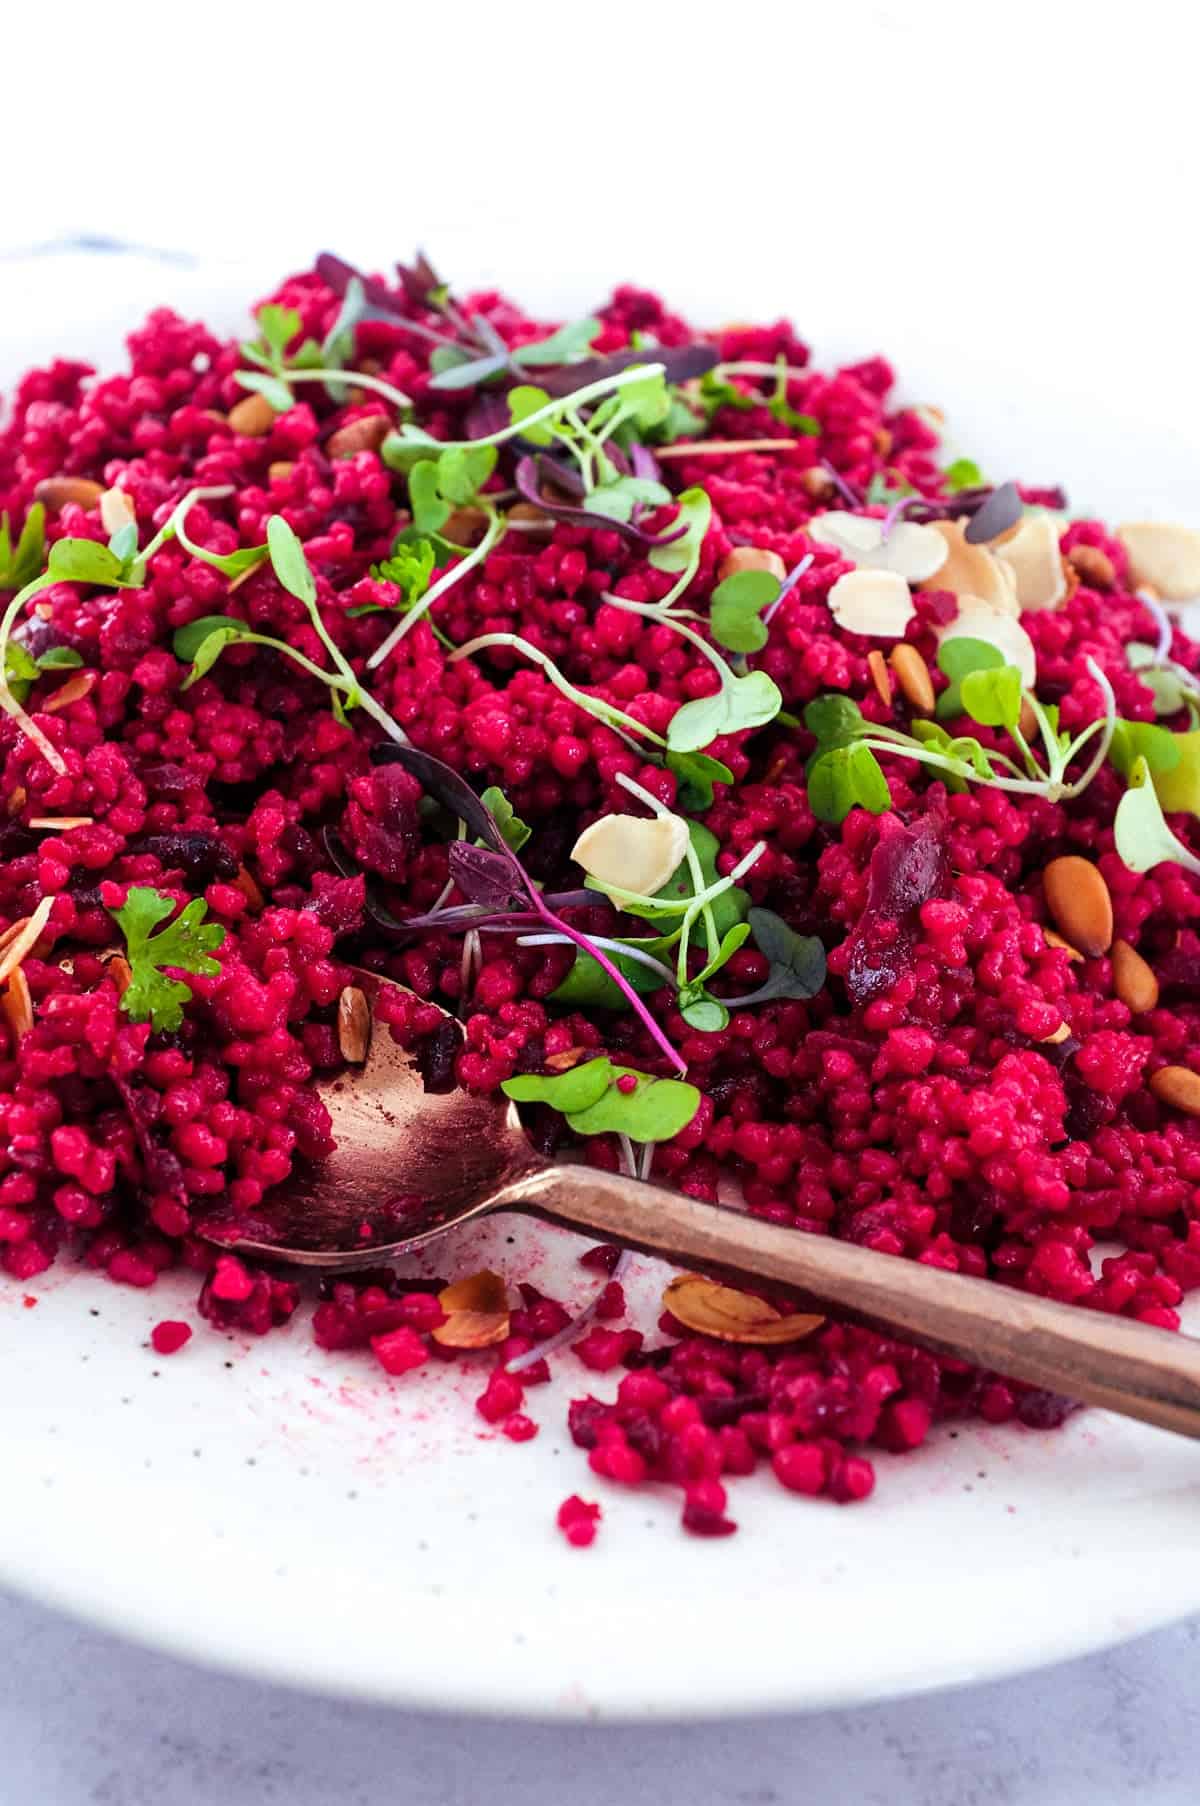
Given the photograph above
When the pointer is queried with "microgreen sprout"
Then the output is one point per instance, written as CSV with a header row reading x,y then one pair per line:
x,y
1140,831
844,771
278,370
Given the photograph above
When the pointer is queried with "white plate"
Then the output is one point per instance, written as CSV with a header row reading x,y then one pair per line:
x,y
263,1506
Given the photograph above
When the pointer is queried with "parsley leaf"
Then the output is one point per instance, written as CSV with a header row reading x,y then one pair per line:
x,y
186,945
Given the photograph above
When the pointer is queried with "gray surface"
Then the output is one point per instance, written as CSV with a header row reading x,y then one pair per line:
x,y
89,1721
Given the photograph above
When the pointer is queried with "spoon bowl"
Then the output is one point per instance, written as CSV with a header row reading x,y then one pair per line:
x,y
410,1163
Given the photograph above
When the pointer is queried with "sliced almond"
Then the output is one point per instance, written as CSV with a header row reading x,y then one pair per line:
x,y
631,851
980,620
751,558
253,417
367,433
1093,567
25,936
1055,1036
727,1315
476,1312
281,470
1177,1086
18,796
912,674
117,510
57,492
817,484
1031,553
527,517
17,1004
58,824
1056,940
77,686
1166,557
354,1024
913,551
1133,979
877,604
1078,899
880,676
569,1057
971,570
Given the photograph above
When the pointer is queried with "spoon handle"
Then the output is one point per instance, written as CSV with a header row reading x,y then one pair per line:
x,y
1134,1368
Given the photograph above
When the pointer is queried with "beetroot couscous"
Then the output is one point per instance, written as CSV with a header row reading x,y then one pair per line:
x,y
813,845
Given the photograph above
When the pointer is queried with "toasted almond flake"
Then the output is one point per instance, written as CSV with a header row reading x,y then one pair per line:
x,y
880,676
281,470
43,610
365,434
253,417
1055,1036
1164,556
1027,720
1056,940
912,674
751,558
972,571
249,889
17,1004
529,518
1179,1087
117,510
882,440
74,690
354,1024
980,620
245,576
817,484
569,1057
476,1312
877,604
28,933
1133,979
710,1309
631,851
1079,900
913,551
57,492
58,824
1032,556
18,796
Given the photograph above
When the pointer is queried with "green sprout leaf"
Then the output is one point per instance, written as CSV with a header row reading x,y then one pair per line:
x,y
83,561
843,777
618,499
587,985
273,388
21,565
958,658
834,719
291,566
740,703
523,401
992,697
697,774
702,1012
59,658
463,470
514,830
964,473
695,513
1134,740
593,1103
565,346
1167,685
207,653
736,607
797,960
20,670
733,938
187,641
186,945
430,511
1140,831
277,327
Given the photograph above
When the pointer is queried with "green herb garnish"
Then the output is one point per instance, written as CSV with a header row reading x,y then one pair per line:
x,y
186,945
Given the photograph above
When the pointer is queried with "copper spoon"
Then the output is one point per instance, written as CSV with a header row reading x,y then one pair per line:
x,y
409,1164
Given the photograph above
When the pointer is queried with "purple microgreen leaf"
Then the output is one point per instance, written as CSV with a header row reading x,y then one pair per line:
x,y
847,491
1001,511
441,782
493,880
680,365
643,462
527,479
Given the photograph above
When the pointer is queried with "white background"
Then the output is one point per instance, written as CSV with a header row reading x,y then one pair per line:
x,y
1006,198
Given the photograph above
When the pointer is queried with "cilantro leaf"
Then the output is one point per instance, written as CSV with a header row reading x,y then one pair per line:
x,y
186,945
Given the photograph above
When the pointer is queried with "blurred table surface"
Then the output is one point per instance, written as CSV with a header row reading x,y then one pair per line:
x,y
86,1720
